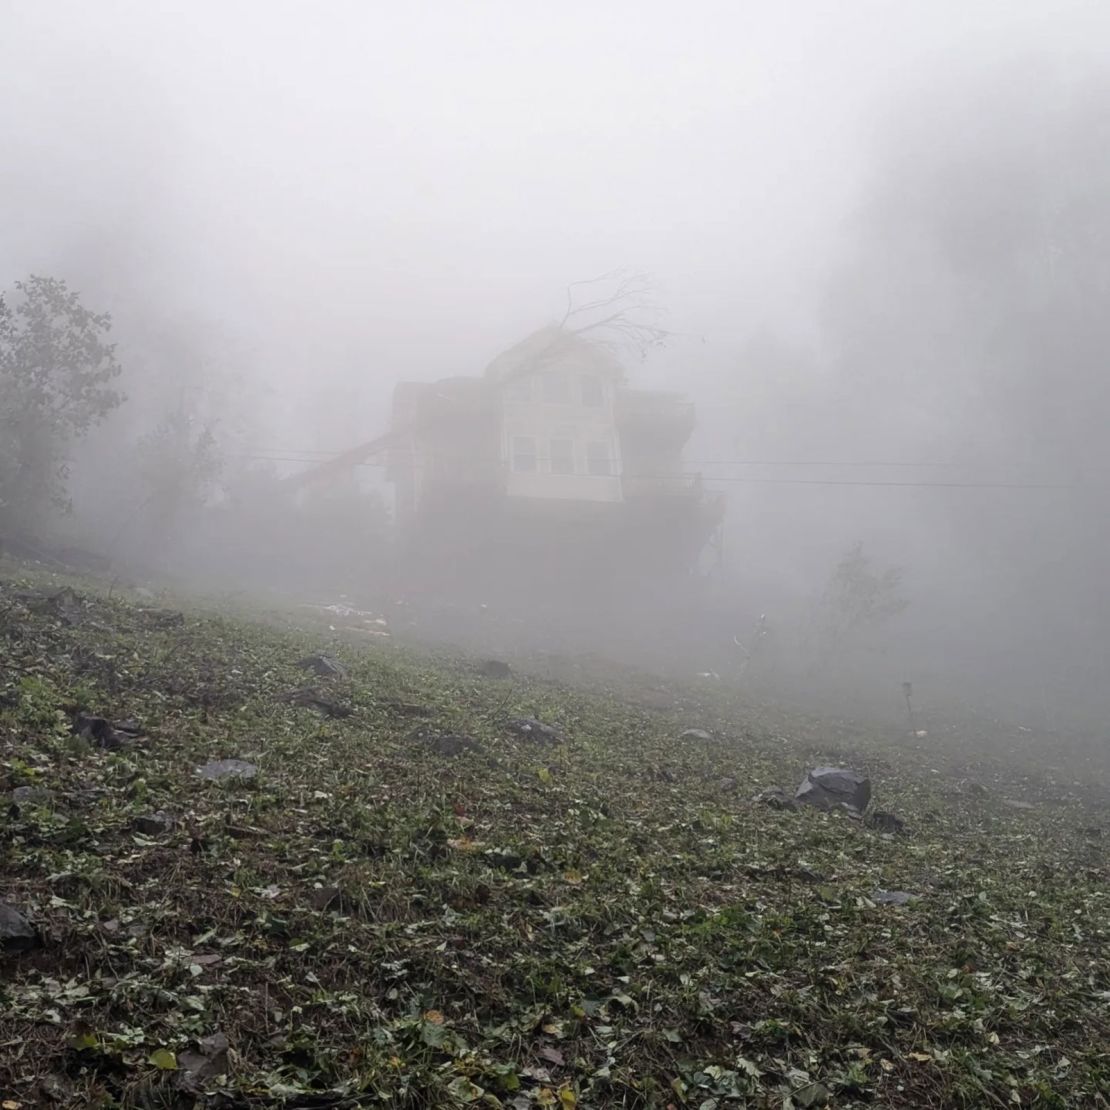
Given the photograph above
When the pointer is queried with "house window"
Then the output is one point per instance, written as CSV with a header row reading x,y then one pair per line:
x,y
592,393
562,456
524,453
598,460
518,389
556,389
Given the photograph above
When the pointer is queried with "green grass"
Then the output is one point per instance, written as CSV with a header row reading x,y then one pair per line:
x,y
605,923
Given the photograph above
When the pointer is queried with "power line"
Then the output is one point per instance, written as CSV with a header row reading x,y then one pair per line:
x,y
760,480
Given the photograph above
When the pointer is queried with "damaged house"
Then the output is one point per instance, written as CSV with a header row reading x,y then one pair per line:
x,y
548,475
547,472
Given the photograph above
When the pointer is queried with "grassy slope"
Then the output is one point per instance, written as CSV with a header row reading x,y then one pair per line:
x,y
605,923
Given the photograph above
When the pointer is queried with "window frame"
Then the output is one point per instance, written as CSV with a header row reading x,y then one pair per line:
x,y
568,457
516,454
593,459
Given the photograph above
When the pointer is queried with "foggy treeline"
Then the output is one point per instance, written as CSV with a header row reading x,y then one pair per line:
x,y
885,259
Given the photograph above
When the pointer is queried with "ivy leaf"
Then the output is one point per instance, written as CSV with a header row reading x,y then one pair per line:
x,y
163,1059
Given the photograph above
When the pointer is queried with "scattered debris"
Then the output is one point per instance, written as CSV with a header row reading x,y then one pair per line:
x,y
1014,803
324,665
227,768
102,733
531,729
977,790
363,620
17,934
829,787
495,668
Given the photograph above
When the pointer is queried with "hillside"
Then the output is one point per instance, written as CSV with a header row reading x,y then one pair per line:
x,y
407,900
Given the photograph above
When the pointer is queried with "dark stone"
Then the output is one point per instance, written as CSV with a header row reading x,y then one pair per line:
x,y
209,1061
977,790
885,822
323,898
163,618
32,796
323,665
67,606
227,768
154,824
452,744
408,708
313,699
893,897
101,733
494,668
775,798
695,734
530,729
830,787
17,934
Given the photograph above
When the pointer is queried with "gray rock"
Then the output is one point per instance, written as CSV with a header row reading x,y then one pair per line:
x,y
324,665
530,729
695,734
154,824
495,668
893,897
101,733
67,606
209,1061
17,934
32,795
227,768
452,744
313,699
830,787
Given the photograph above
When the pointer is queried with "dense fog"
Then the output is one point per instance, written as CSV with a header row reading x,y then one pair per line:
x,y
870,243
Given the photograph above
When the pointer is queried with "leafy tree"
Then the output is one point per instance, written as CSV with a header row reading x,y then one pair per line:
x,y
56,369
178,464
857,599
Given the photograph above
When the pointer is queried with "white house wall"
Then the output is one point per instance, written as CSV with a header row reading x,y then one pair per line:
x,y
544,421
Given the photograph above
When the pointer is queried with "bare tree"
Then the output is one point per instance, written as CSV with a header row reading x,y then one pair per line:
x,y
619,310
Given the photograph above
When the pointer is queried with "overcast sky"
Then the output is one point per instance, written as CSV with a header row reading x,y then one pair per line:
x,y
362,191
